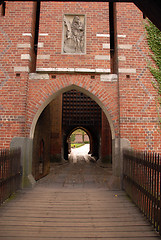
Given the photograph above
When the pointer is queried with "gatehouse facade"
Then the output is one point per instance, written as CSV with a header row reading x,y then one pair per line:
x,y
53,54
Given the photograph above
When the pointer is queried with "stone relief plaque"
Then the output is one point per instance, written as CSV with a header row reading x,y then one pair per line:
x,y
74,34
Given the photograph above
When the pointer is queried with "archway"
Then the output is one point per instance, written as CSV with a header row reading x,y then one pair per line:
x,y
67,112
42,105
79,145
84,140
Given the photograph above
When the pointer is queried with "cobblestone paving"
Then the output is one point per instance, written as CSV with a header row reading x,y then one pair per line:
x,y
83,174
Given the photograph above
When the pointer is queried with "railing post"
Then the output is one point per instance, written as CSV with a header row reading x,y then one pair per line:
x,y
10,171
142,182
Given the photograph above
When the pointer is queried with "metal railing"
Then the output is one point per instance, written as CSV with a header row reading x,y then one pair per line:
x,y
10,173
141,181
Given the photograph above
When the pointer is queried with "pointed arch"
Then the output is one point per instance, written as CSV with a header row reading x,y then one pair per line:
x,y
87,132
49,98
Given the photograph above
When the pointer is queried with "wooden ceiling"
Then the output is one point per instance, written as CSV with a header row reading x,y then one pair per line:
x,y
150,8
80,110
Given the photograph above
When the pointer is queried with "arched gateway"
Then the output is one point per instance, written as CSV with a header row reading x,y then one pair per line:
x,y
99,50
45,121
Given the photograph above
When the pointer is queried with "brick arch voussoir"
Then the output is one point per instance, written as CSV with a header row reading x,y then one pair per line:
x,y
51,89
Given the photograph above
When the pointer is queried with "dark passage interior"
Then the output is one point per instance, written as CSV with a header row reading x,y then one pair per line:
x,y
80,110
69,111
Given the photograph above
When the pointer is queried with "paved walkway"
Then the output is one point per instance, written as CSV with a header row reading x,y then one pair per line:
x,y
73,202
77,152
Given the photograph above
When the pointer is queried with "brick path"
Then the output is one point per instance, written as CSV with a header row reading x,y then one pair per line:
x,y
73,202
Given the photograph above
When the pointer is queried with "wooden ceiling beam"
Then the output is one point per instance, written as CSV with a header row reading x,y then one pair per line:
x,y
151,9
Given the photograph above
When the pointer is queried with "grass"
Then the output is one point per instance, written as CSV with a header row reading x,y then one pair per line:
x,y
77,145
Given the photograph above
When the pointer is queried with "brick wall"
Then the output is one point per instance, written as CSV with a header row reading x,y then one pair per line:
x,y
14,58
51,24
23,96
138,117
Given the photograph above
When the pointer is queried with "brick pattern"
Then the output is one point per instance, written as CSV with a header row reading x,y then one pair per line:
x,y
138,120
51,22
22,95
105,92
4,48
16,21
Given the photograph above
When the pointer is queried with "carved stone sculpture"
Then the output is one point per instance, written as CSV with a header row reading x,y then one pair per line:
x,y
74,35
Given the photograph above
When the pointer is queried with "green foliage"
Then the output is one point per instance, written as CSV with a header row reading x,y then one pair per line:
x,y
154,42
72,137
77,145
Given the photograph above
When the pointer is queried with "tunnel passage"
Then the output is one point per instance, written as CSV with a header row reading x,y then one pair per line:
x,y
64,114
80,111
79,136
79,146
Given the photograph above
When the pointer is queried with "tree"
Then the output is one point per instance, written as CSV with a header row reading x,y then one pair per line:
x,y
72,137
154,42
